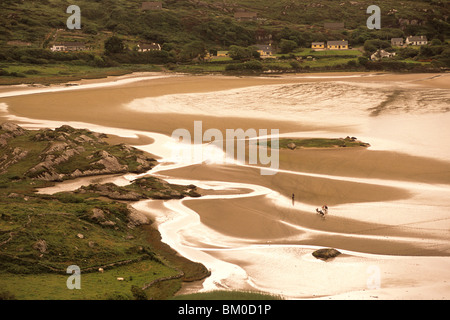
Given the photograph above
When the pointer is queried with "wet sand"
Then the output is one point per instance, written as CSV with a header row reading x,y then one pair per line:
x,y
346,180
104,105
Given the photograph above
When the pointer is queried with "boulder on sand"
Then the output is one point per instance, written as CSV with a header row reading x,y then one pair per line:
x,y
291,146
325,254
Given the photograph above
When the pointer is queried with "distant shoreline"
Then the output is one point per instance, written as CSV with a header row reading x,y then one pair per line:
x,y
106,73
426,79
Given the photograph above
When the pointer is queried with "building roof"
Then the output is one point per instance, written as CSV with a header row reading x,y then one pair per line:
x,y
397,39
337,43
317,43
152,46
149,5
264,47
417,38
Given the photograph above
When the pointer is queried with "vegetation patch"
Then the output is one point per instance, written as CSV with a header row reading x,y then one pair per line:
x,y
142,188
41,235
350,142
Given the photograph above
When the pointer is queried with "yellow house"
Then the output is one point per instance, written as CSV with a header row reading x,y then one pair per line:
x,y
222,53
318,45
337,45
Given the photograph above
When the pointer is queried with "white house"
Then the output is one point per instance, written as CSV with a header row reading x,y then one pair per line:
x,y
380,54
68,46
416,40
149,47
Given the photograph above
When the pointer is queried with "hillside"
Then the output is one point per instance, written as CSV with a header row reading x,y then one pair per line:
x,y
188,30
211,21
93,227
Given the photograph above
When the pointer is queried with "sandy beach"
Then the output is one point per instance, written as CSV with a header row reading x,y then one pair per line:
x,y
389,203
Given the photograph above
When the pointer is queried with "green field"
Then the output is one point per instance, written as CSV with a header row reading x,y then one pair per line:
x,y
350,52
94,285
63,72
327,62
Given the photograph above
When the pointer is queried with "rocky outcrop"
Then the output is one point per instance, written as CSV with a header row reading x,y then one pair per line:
x,y
291,146
8,159
68,153
110,163
111,191
41,246
325,254
137,218
9,130
142,188
102,217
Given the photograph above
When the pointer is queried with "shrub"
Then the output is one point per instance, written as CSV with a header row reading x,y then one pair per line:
x,y
17,74
375,44
32,71
363,61
253,65
138,293
408,52
6,295
295,64
98,62
287,46
242,53
114,45
249,65
352,63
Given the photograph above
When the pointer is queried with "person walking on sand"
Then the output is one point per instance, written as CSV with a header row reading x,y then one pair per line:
x,y
322,211
293,199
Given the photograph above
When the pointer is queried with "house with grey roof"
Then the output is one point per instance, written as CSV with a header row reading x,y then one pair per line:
x,y
265,51
397,42
68,46
416,40
337,45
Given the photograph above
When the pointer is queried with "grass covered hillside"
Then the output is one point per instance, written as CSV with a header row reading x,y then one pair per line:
x,y
211,21
189,32
42,235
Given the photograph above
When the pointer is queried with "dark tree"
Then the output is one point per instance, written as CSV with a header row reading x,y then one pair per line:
x,y
114,45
